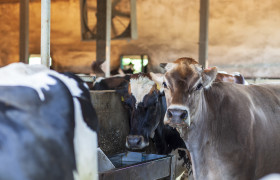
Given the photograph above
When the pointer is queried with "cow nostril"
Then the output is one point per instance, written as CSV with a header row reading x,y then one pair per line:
x,y
138,141
184,115
169,114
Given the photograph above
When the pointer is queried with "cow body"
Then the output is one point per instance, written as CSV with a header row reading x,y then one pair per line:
x,y
111,83
231,130
233,78
44,125
146,106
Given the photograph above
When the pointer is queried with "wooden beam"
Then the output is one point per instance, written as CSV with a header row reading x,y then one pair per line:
x,y
203,32
45,32
103,37
24,31
18,1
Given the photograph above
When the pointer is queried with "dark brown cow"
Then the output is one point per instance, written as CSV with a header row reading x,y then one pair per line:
x,y
232,131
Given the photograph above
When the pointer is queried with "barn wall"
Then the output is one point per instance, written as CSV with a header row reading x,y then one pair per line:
x,y
243,34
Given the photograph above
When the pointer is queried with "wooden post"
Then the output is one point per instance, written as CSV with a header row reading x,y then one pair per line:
x,y
203,32
45,32
103,38
24,31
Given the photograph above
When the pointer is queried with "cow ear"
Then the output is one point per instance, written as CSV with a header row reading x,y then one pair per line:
x,y
208,76
122,91
158,79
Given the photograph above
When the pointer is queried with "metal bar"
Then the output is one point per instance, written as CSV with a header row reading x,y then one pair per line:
x,y
103,38
24,31
45,32
142,63
133,19
173,168
108,37
203,32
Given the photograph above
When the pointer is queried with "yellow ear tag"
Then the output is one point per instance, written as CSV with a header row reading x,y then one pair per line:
x,y
158,86
122,98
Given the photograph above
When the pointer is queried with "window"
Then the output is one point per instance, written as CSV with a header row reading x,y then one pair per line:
x,y
134,63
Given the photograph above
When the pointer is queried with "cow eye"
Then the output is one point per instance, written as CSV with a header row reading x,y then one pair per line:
x,y
198,87
164,85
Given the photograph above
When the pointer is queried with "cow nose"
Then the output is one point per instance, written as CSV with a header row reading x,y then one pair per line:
x,y
134,141
177,115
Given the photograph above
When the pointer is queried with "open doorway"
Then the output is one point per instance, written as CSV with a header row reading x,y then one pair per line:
x,y
131,64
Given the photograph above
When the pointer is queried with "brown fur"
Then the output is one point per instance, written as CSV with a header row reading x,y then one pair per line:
x,y
234,129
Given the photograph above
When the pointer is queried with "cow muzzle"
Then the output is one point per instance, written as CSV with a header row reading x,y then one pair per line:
x,y
136,142
177,117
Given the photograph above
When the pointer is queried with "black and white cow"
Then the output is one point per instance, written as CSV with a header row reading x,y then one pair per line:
x,y
47,125
146,106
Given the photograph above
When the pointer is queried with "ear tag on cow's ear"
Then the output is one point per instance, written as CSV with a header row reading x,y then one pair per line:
x,y
158,86
122,98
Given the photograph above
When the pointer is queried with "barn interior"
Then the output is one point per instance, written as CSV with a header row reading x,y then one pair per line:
x,y
233,35
242,35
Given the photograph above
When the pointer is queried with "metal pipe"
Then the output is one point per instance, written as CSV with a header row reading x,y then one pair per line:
x,y
45,32
24,31
108,37
203,32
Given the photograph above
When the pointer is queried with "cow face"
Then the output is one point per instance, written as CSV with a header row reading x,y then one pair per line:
x,y
142,99
183,85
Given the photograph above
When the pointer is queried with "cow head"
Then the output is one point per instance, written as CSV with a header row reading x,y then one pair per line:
x,y
143,99
183,83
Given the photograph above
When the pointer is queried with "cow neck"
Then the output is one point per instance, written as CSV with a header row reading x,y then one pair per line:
x,y
159,138
197,134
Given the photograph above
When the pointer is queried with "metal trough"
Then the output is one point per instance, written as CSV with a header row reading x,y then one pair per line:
x,y
139,166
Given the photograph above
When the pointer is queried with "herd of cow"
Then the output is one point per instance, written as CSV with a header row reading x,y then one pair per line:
x,y
217,125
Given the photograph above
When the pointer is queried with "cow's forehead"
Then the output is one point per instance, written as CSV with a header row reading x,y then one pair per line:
x,y
182,71
141,86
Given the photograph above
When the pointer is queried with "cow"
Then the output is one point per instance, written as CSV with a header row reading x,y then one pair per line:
x,y
146,107
47,125
121,81
111,83
231,130
233,78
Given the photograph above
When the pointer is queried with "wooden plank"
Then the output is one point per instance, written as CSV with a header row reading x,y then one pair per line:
x,y
203,32
24,31
83,7
18,1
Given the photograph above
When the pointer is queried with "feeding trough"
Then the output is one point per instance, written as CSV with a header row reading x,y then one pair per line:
x,y
113,129
140,166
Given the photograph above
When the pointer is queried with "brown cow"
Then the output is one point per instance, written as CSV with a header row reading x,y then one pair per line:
x,y
233,78
232,131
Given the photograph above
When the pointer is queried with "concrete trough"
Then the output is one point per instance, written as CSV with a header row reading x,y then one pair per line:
x,y
113,121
